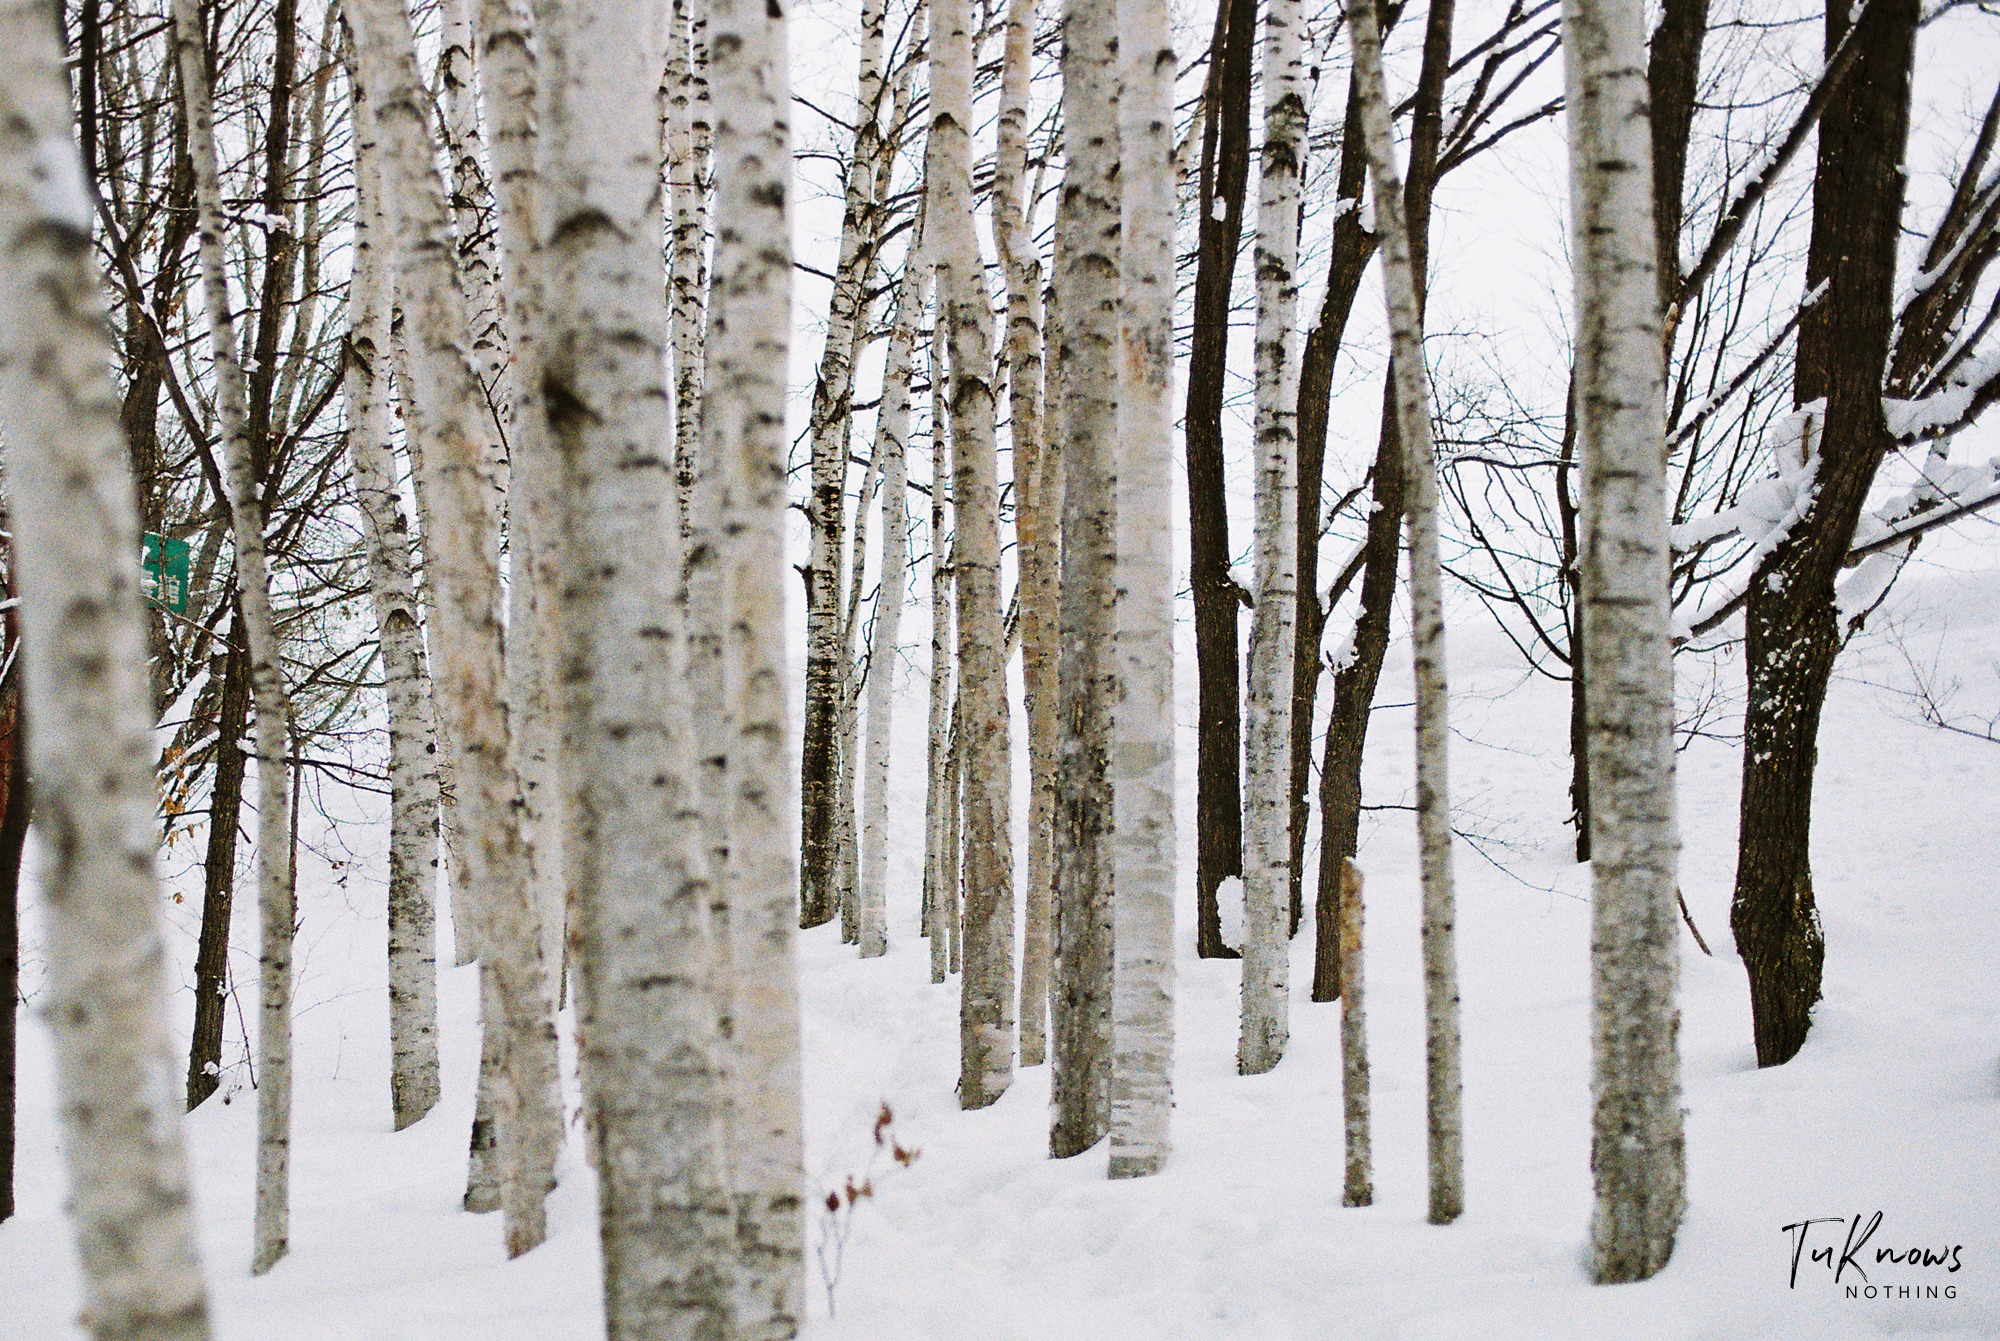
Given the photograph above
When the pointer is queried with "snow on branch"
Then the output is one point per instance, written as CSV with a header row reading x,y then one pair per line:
x,y
1941,498
1766,511
1949,409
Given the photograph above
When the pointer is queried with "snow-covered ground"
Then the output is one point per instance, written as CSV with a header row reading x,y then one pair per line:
x,y
1893,1107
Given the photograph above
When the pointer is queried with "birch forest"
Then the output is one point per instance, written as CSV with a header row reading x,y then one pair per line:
x,y
712,528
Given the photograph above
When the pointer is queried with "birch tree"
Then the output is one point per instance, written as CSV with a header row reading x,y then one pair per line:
x,y
847,715
743,423
1636,1144
85,646
253,585
508,86
1441,1032
413,805
1267,742
1142,741
941,802
13,837
653,1065
1359,1188
1020,267
892,437
986,1011
700,469
471,201
819,895
448,407
686,277
1087,275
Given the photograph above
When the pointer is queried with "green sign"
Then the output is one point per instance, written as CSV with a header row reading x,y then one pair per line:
x,y
166,573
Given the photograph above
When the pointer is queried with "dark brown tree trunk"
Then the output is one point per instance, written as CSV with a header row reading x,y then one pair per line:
x,y
145,373
818,900
1572,577
1791,625
1225,171
211,962
1673,71
1354,679
279,246
1356,676
1353,245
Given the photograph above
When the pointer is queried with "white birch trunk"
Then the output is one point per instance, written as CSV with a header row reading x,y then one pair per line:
x,y
827,679
75,536
654,1070
1359,1189
508,83
1637,1152
413,807
986,1000
1020,265
1441,1049
458,134
847,743
451,823
686,278
458,113
743,425
1086,674
892,438
1142,735
1267,714
954,839
253,584
451,419
940,815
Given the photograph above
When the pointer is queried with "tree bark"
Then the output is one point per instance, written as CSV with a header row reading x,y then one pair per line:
x,y
891,445
84,637
1087,277
1636,1146
743,423
225,804
1673,82
1412,401
1352,248
241,464
13,837
1359,1189
1673,72
1225,174
941,808
820,894
653,1063
686,282
453,423
847,717
1791,625
986,1010
508,85
1036,524
1358,668
1143,866
413,805
1266,848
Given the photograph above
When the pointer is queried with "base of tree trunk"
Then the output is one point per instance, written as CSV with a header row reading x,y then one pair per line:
x,y
1783,950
